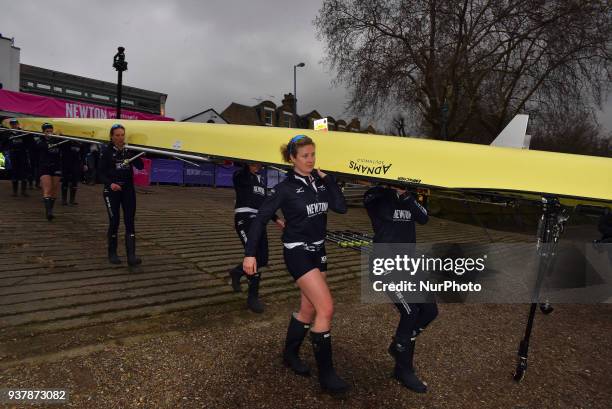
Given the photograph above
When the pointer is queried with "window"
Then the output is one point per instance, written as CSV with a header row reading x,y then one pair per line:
x,y
268,116
341,127
43,86
73,92
57,89
286,119
97,96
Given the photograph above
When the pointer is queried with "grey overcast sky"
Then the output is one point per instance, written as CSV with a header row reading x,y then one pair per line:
x,y
203,54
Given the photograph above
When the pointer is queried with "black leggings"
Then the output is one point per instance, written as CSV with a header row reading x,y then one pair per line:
x,y
414,318
19,166
71,175
34,174
242,224
125,198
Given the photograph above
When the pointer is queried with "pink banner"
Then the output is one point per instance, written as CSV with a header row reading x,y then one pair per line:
x,y
143,177
36,105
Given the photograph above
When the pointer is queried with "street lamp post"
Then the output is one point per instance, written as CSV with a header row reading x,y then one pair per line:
x,y
295,92
444,121
120,65
444,113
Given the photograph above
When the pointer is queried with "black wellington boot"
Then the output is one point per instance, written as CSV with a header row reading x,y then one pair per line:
x,y
113,258
328,379
253,302
403,352
291,355
51,204
73,192
130,247
48,209
235,274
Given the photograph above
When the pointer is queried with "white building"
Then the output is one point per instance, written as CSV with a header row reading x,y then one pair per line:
x,y
9,69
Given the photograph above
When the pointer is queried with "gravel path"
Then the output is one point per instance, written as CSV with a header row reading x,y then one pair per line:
x,y
233,360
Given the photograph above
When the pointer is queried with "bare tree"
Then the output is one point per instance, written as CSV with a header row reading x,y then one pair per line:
x,y
467,67
572,132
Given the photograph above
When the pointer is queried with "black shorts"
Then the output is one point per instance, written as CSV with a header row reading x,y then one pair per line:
x,y
50,171
299,260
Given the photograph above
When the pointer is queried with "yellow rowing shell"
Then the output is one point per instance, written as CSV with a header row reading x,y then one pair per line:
x,y
420,162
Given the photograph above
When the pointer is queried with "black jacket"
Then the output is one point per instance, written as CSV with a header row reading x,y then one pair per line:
x,y
34,150
49,154
304,207
15,144
73,154
393,216
113,166
250,191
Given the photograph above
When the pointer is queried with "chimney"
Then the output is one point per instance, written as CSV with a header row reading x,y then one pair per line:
x,y
289,102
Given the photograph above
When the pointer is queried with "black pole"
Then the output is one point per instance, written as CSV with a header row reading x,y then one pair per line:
x,y
295,119
549,230
119,87
444,117
120,65
294,98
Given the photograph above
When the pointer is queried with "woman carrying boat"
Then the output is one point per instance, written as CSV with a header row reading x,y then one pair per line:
x,y
393,212
304,197
50,167
115,170
250,193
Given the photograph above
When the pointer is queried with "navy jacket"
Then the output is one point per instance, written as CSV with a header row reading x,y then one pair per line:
x,y
304,202
393,216
113,168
